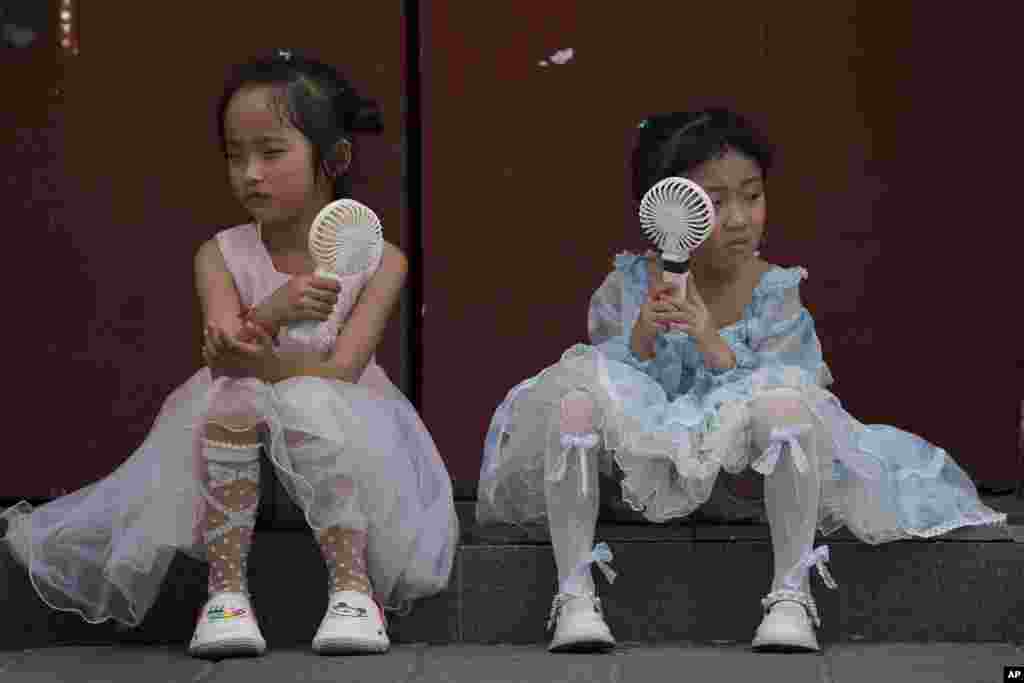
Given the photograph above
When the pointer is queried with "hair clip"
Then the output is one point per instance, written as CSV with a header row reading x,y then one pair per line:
x,y
699,121
286,55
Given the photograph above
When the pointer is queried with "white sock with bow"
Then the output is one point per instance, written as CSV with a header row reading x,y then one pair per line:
x,y
788,436
571,492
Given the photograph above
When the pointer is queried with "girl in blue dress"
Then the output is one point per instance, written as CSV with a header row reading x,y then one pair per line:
x,y
741,383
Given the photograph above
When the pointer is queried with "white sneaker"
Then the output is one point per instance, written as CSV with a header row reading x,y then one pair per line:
x,y
787,627
354,623
580,625
227,628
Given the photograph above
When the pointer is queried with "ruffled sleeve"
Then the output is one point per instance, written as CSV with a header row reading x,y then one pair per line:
x,y
614,310
779,333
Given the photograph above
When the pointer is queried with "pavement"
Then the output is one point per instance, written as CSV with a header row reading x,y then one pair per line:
x,y
461,663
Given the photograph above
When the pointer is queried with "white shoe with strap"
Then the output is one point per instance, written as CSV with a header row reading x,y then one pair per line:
x,y
579,624
227,627
788,624
576,614
354,624
791,614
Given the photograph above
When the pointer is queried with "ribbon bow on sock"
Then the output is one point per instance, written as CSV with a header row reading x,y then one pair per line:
x,y
600,555
779,437
582,443
812,558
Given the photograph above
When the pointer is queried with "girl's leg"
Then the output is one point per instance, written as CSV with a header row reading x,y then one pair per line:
x,y
233,468
571,493
344,548
227,625
354,621
342,538
792,442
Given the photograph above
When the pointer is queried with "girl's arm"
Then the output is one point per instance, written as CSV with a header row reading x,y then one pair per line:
x,y
781,335
218,296
360,334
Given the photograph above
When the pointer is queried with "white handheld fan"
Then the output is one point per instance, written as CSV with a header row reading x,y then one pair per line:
x,y
346,239
677,215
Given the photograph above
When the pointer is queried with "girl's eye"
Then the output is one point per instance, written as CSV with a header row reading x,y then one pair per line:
x,y
754,197
273,153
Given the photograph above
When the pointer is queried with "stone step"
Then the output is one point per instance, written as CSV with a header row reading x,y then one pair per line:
x,y
682,581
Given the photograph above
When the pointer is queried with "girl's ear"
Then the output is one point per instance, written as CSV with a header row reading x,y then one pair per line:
x,y
342,158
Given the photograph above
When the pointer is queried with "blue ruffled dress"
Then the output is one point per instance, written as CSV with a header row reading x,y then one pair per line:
x,y
672,424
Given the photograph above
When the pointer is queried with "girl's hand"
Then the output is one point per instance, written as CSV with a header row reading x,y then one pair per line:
x,y
215,338
250,353
648,324
689,312
656,310
303,297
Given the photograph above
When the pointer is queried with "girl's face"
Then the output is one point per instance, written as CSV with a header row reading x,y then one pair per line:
x,y
270,163
736,187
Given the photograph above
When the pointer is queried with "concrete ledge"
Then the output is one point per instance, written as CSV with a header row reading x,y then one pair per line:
x,y
697,584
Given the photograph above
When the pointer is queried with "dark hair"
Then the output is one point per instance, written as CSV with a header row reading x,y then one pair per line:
x,y
317,100
674,144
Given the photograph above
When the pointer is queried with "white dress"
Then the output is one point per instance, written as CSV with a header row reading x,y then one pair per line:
x,y
103,551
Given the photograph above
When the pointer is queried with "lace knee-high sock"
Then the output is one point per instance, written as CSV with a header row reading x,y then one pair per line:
x,y
791,441
232,496
571,493
344,553
336,507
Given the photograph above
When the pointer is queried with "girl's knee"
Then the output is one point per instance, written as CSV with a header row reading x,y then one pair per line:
x,y
779,408
578,413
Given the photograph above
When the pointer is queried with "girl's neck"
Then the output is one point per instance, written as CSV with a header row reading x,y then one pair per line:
x,y
283,238
711,278
292,235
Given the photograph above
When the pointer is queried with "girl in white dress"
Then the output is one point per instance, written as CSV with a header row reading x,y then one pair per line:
x,y
345,443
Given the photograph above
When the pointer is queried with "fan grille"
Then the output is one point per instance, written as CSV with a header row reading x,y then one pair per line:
x,y
677,215
346,237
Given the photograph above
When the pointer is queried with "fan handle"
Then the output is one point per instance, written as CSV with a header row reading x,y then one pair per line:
x,y
676,270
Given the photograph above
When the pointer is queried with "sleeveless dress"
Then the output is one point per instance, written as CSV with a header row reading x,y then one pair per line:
x,y
671,425
104,550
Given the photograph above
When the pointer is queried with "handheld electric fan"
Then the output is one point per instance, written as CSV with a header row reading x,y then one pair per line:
x,y
346,239
677,215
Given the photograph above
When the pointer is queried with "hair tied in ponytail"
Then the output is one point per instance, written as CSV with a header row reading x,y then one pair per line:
x,y
360,115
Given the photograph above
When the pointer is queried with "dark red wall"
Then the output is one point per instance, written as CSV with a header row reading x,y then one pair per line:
x,y
896,188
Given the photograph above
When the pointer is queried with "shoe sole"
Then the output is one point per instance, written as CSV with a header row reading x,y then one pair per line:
x,y
595,640
350,647
785,645
583,646
229,647
784,648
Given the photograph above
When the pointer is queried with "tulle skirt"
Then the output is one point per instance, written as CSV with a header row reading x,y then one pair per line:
x,y
104,550
881,482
